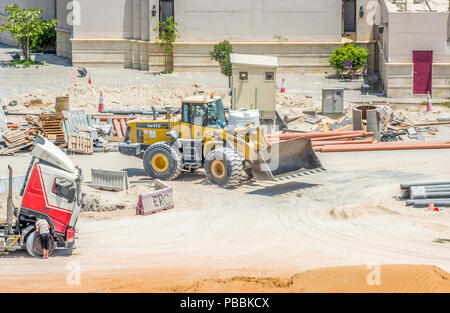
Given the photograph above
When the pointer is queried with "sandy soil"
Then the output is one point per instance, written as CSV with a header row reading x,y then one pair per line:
x,y
345,216
383,279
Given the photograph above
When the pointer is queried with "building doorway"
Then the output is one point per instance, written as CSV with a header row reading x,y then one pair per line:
x,y
349,15
423,63
166,9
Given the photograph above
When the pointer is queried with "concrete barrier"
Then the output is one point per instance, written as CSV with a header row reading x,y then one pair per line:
x,y
109,180
159,200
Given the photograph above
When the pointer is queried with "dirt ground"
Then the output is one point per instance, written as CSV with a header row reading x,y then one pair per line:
x,y
388,278
315,233
345,216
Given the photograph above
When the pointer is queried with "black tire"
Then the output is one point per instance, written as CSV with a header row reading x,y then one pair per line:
x,y
167,153
249,173
230,167
34,247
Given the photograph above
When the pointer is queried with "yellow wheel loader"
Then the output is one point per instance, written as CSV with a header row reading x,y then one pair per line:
x,y
202,137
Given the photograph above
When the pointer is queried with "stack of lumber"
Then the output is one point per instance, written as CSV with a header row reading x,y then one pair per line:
x,y
80,144
16,140
52,127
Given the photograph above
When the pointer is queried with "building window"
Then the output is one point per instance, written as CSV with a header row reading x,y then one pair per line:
x,y
166,9
243,75
270,76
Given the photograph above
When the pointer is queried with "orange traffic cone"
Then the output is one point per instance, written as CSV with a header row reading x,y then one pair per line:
x,y
100,103
429,106
283,88
90,82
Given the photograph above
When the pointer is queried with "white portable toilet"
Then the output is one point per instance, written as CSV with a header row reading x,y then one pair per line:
x,y
254,83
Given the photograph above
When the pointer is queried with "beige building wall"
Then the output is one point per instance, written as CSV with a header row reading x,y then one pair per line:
x,y
259,20
404,33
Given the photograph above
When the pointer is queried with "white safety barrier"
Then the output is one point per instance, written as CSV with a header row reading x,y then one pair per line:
x,y
109,180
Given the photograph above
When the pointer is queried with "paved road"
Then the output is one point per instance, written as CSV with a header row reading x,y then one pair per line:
x,y
58,75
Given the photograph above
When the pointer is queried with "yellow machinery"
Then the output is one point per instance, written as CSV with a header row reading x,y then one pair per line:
x,y
202,138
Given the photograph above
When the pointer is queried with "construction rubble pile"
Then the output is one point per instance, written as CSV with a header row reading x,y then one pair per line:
x,y
74,131
368,128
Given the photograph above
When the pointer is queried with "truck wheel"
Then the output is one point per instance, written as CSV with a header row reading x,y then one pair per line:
x,y
34,247
162,161
223,167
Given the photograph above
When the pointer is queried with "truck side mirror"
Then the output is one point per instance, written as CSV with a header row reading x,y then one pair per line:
x,y
71,195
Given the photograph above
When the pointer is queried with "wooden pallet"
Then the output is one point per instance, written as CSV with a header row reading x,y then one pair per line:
x,y
16,138
81,144
52,126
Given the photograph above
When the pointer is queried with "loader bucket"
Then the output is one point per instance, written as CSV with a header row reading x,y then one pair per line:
x,y
286,159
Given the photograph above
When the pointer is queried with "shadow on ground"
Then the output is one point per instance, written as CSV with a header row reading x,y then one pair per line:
x,y
281,189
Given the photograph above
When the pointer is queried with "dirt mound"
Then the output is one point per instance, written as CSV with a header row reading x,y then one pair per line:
x,y
86,97
392,278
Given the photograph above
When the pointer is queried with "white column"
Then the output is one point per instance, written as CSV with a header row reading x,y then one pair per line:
x,y
145,20
137,19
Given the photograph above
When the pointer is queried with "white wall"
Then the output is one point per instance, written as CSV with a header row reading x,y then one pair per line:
x,y
259,20
105,19
418,31
47,5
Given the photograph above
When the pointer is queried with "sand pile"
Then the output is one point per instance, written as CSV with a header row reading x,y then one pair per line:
x,y
391,278
96,200
85,96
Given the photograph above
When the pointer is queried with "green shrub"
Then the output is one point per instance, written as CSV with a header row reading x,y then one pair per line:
x,y
221,53
349,52
44,41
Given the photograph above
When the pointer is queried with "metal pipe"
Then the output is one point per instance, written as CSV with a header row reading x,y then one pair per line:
x,y
336,137
340,142
424,203
318,134
9,203
404,186
385,146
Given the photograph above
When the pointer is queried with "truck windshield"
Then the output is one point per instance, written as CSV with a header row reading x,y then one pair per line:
x,y
215,113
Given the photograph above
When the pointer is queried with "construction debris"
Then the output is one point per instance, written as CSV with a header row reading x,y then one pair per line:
x,y
16,138
80,144
52,127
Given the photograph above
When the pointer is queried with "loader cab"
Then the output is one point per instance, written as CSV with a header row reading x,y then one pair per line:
x,y
205,111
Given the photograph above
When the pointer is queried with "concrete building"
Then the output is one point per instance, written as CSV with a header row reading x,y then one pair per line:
x,y
122,33
414,48
300,33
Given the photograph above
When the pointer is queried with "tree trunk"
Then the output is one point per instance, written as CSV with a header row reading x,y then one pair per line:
x,y
28,49
23,48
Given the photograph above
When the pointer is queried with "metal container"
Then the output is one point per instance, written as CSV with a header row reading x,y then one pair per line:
x,y
333,101
62,104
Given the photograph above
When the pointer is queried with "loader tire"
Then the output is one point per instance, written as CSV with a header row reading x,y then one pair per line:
x,y
34,247
223,167
162,161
